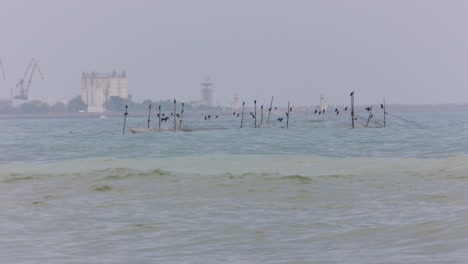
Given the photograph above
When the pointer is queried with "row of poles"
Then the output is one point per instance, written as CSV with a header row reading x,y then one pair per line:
x,y
182,112
261,115
369,109
353,118
159,117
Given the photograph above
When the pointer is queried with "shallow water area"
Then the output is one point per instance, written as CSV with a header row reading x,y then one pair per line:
x,y
77,190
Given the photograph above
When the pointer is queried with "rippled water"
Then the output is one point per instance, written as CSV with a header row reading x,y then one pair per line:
x,y
75,190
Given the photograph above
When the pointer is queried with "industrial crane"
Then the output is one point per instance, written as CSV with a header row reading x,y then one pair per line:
x,y
3,71
24,91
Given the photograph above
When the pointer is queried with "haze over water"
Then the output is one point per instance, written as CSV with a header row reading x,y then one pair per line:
x,y
404,51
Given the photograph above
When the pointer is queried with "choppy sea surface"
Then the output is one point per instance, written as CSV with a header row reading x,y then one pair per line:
x,y
77,190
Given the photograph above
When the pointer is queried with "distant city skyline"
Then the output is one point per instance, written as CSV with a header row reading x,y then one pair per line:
x,y
409,52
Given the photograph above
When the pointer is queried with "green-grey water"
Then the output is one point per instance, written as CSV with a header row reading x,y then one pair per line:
x,y
75,190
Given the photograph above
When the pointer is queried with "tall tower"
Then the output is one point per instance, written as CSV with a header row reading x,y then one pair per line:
x,y
207,92
235,102
323,103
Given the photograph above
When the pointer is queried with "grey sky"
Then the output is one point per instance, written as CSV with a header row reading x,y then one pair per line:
x,y
407,51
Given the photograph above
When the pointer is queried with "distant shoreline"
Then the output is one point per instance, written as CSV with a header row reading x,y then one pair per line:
x,y
52,115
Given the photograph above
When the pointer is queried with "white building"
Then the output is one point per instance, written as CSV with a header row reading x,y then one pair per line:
x,y
96,88
235,102
323,103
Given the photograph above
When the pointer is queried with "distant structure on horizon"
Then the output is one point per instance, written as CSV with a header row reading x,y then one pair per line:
x,y
323,103
96,88
206,94
235,102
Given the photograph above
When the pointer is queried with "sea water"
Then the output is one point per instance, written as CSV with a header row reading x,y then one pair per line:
x,y
77,190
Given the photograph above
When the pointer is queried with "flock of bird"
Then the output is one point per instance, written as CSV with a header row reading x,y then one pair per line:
x,y
209,117
253,115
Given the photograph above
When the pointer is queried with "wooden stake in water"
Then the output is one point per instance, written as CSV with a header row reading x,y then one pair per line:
x,y
384,113
261,116
149,115
242,117
269,110
125,119
370,116
287,117
181,114
175,116
159,115
255,113
352,109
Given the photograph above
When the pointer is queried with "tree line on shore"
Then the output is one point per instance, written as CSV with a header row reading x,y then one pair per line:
x,y
75,105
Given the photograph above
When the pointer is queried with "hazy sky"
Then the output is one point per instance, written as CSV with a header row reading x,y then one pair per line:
x,y
407,51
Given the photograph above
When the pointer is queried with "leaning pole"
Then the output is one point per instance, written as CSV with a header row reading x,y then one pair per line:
x,y
352,109
269,111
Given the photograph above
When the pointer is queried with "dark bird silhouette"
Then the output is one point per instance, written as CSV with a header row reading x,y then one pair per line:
x,y
276,108
237,115
269,109
337,112
172,114
209,116
280,119
368,108
323,111
162,114
320,112
381,106
178,115
205,117
287,114
290,109
346,108
216,116
234,113
336,109
351,94
165,119
315,111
